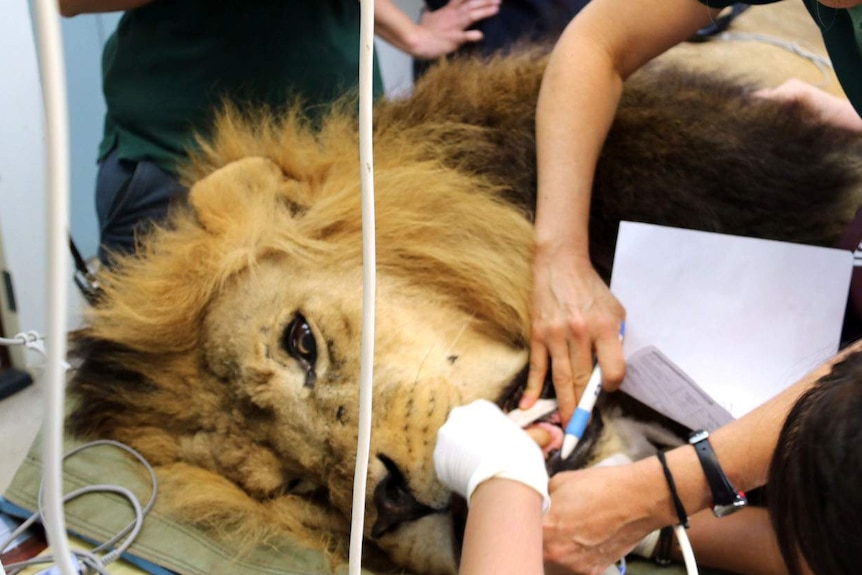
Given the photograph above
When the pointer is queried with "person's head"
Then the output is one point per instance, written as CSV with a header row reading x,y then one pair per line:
x,y
815,499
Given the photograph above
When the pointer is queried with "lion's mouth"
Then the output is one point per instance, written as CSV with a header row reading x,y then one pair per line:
x,y
548,422
545,425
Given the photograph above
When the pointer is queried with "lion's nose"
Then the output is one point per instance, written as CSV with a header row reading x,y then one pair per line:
x,y
394,502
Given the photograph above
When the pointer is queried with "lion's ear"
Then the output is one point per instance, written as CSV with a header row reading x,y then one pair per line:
x,y
234,193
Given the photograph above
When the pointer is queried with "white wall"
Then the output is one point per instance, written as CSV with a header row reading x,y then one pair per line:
x,y
22,161
23,193
83,38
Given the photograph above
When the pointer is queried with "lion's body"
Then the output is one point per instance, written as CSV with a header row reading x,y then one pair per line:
x,y
228,353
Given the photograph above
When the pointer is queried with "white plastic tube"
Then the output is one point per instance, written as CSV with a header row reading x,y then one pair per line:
x,y
687,551
50,44
369,283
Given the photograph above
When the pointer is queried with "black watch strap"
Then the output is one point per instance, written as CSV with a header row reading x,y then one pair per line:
x,y
664,546
725,499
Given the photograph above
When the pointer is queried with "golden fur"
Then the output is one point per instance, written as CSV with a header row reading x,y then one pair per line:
x,y
228,351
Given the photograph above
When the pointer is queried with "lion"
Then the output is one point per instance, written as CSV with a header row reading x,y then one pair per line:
x,y
227,351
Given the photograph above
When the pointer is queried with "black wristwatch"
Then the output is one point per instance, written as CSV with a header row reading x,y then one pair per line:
x,y
725,499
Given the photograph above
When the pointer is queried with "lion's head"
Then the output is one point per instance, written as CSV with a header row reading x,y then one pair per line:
x,y
232,344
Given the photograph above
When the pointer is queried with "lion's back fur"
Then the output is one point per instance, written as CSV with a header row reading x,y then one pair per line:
x,y
686,149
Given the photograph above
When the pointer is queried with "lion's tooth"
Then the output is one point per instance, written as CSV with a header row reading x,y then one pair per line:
x,y
540,409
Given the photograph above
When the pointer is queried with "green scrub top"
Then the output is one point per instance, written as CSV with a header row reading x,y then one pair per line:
x,y
172,63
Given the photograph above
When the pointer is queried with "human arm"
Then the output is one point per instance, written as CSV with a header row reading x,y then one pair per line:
x,y
740,543
574,315
504,530
828,108
486,458
590,525
74,7
438,33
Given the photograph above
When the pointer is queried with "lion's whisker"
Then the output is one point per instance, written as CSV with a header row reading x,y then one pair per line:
x,y
421,364
448,349
460,333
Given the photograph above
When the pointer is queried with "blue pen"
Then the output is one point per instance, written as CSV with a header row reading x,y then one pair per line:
x,y
581,417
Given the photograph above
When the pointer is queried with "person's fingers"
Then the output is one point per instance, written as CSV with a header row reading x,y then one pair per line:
x,y
482,12
609,354
536,376
561,372
779,94
540,436
481,5
766,93
472,36
580,350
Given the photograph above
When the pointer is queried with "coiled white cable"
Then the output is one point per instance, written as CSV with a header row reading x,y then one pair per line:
x,y
116,545
369,282
57,139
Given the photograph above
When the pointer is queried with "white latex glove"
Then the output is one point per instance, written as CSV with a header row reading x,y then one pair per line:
x,y
479,442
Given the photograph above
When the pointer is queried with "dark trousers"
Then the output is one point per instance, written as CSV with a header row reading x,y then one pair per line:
x,y
129,197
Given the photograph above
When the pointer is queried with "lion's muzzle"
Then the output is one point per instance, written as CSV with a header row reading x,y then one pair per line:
x,y
394,501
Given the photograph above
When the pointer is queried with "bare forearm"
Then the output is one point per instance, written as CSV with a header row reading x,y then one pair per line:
x,y
504,530
744,447
748,534
75,7
571,125
602,46
394,26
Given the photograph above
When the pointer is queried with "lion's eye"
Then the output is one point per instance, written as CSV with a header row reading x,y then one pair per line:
x,y
298,340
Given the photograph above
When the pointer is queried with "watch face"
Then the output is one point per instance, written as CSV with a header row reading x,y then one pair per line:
x,y
725,510
698,436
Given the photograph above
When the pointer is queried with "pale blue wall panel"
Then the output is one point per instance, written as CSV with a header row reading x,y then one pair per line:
x,y
83,38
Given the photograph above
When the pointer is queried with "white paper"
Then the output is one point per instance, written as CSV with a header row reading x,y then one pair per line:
x,y
654,380
743,317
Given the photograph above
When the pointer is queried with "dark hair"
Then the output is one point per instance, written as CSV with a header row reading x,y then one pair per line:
x,y
815,479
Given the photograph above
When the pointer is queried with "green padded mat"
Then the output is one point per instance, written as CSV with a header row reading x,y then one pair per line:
x,y
163,541
168,543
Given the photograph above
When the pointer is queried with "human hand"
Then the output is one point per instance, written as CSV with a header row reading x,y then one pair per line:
x,y
590,526
574,314
828,108
447,28
479,442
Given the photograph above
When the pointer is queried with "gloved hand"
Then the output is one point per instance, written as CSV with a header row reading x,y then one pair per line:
x,y
479,442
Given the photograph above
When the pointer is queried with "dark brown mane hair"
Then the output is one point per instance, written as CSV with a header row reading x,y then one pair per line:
x,y
815,500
